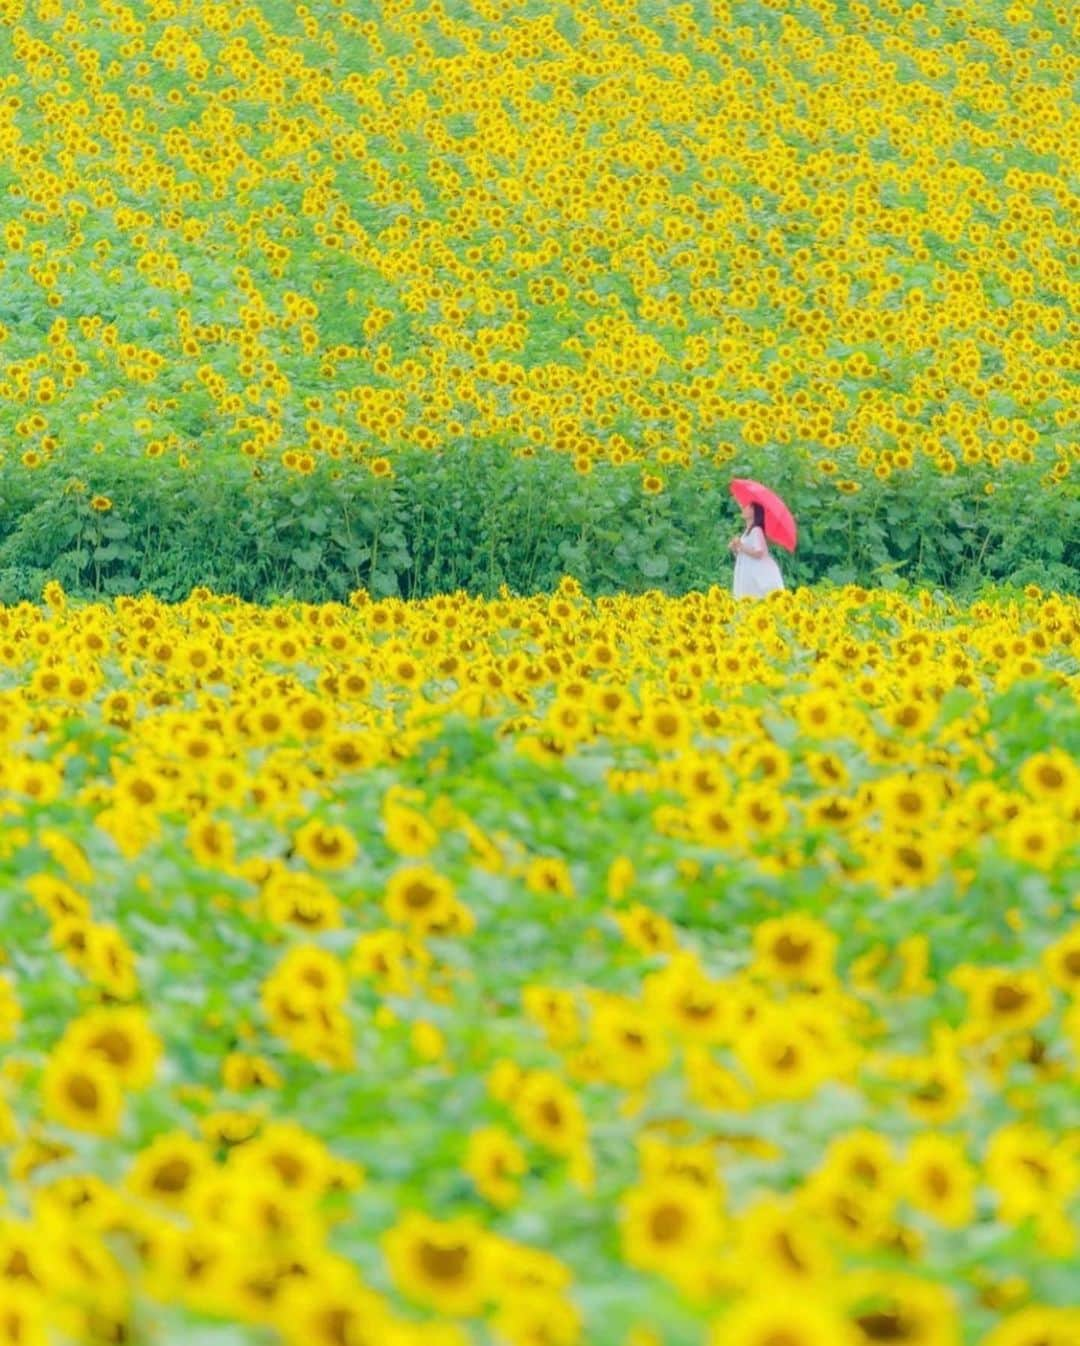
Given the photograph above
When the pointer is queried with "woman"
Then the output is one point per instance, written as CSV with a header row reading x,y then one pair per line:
x,y
756,572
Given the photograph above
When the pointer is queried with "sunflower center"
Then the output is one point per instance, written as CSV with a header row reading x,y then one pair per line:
x,y
791,951
887,1325
289,1168
910,858
444,1264
419,895
18,1267
83,1092
173,1176
1036,1168
551,1112
115,1045
336,1327
788,1252
1008,999
937,1180
307,913
667,1222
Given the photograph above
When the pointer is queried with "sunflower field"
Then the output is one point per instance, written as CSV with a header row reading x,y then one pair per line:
x,y
412,296
435,912
629,971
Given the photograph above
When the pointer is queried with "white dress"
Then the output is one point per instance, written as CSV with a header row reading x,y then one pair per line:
x,y
756,576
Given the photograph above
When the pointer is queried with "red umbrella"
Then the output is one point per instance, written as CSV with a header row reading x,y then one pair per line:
x,y
779,525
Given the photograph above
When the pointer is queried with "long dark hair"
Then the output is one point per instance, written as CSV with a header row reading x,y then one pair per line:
x,y
759,516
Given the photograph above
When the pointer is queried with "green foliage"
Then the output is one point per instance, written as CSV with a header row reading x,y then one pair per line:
x,y
477,518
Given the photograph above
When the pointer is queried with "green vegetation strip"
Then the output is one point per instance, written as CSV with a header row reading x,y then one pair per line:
x,y
475,518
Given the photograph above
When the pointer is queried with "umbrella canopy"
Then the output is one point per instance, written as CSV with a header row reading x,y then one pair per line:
x,y
779,525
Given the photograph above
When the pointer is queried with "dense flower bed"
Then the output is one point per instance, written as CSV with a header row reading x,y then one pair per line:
x,y
625,971
613,231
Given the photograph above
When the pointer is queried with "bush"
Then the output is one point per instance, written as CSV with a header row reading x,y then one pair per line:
x,y
478,518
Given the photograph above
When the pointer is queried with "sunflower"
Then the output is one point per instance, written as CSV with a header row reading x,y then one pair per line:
x,y
715,823
660,1160
229,1126
781,1057
325,846
495,1161
907,801
549,1112
851,1214
692,1005
1052,777
937,1087
1062,961
81,1091
23,1253
778,1244
291,897
827,769
123,1038
862,1161
408,832
647,930
190,1266
1002,1000
666,725
242,1072
794,948
632,1047
939,1180
211,842
1031,1171
168,1170
670,1226
444,1265
393,960
1035,836
532,1317
549,874
419,897
68,854
555,1011
332,1307
23,1319
1036,1326
288,1154
909,861
819,714
912,717
886,1307
10,1011
769,1321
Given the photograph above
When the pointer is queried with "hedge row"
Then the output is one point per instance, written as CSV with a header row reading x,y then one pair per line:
x,y
479,518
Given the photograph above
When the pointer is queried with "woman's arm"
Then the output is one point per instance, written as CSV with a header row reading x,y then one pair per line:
x,y
747,547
